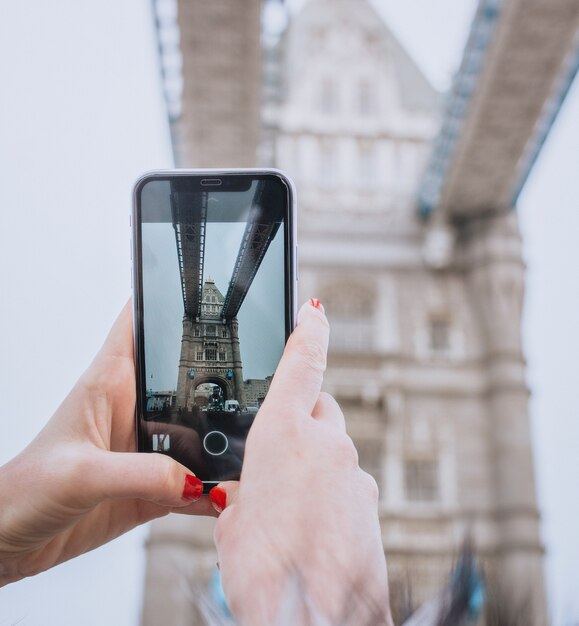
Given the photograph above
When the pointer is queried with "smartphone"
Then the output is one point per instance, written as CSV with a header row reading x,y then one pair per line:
x,y
214,297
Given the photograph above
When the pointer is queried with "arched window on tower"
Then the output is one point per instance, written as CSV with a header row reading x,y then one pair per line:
x,y
438,323
351,311
439,337
439,334
421,479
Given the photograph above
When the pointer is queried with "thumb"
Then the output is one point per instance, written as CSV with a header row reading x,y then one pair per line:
x,y
224,494
148,476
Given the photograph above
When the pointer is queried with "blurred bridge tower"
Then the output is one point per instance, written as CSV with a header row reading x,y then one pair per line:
x,y
408,235
211,62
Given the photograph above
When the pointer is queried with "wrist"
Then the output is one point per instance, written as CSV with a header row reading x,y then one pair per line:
x,y
10,552
290,598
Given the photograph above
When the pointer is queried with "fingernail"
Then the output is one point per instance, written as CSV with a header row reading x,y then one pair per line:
x,y
193,488
218,498
317,304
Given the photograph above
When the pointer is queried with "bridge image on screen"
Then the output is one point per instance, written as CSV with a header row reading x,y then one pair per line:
x,y
211,367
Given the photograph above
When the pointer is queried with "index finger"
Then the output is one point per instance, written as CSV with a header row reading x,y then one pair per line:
x,y
298,378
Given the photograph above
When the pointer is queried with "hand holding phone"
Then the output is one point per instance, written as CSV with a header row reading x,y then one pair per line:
x,y
299,538
80,483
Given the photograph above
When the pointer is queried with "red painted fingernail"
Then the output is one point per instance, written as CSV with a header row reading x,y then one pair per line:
x,y
193,488
317,304
218,498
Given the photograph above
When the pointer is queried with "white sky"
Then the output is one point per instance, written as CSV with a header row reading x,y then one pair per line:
x,y
81,116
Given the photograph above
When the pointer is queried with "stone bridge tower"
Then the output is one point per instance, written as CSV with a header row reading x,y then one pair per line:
x,y
210,352
416,257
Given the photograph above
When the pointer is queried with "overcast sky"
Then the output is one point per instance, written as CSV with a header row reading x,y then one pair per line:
x,y
81,116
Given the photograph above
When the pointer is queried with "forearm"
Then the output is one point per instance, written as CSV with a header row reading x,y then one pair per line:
x,y
27,545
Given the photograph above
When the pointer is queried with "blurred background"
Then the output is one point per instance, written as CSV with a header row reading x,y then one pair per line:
x,y
434,148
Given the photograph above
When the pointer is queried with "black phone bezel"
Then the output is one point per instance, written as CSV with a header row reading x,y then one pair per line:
x,y
232,180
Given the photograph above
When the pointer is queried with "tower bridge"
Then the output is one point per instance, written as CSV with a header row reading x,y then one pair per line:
x,y
210,350
447,436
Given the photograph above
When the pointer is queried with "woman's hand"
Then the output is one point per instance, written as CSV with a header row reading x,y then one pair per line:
x,y
299,538
81,483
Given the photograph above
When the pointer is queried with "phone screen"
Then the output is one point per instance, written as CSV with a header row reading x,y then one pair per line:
x,y
213,306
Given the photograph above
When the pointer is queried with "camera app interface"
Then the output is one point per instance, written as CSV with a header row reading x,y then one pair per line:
x,y
213,315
